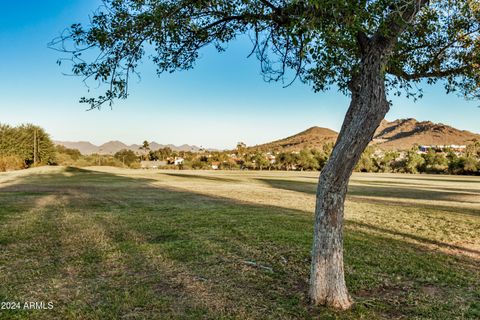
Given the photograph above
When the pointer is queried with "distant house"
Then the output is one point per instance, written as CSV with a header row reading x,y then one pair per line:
x,y
458,149
178,161
175,160
271,158
424,149
152,164
235,158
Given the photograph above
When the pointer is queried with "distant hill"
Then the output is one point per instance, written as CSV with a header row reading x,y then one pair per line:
x,y
112,147
396,135
314,137
83,146
404,133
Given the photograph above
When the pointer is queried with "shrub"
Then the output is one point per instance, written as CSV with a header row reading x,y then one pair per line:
x,y
8,163
135,165
127,157
74,154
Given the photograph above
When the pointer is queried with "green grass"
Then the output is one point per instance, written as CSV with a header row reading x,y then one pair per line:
x,y
108,243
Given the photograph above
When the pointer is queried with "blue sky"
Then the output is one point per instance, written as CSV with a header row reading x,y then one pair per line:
x,y
222,101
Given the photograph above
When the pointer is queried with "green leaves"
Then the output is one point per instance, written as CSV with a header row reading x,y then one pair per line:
x,y
317,41
442,43
19,141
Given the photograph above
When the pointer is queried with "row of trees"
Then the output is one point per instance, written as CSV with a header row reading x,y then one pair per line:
x,y
378,161
28,145
25,146
372,160
447,162
73,157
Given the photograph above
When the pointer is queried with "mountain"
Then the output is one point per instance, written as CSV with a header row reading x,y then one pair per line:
x,y
314,137
83,146
183,147
396,135
112,147
404,133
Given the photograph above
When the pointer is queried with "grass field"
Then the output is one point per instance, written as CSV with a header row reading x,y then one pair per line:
x,y
107,243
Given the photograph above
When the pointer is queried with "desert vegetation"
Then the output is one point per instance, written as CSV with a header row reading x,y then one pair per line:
x,y
372,160
19,145
412,161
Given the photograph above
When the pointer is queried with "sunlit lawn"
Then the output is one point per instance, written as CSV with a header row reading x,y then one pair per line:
x,y
107,243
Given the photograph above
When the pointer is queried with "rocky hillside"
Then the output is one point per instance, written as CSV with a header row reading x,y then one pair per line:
x,y
396,135
404,133
314,137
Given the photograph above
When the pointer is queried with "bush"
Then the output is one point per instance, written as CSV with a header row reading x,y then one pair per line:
x,y
366,163
135,165
21,141
470,165
8,163
413,162
127,157
65,159
434,162
198,164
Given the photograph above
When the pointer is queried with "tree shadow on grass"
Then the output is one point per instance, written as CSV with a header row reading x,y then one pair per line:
x,y
205,176
414,237
454,210
378,190
410,178
176,254
299,186
435,178
366,193
413,185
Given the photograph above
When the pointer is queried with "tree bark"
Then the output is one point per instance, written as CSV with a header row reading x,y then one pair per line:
x,y
368,107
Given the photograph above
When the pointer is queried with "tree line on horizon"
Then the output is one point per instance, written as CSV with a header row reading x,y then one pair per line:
x,y
445,161
28,145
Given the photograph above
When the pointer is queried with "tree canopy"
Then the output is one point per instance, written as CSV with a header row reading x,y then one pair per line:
x,y
320,40
20,141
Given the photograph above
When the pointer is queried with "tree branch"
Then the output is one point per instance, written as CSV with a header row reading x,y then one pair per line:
x,y
269,4
428,74
396,22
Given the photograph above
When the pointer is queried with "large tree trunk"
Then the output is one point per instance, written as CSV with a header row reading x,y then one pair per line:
x,y
367,109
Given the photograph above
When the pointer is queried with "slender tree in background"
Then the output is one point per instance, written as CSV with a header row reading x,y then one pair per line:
x,y
145,147
365,48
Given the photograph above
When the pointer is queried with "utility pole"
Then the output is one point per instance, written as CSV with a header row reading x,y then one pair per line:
x,y
34,146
